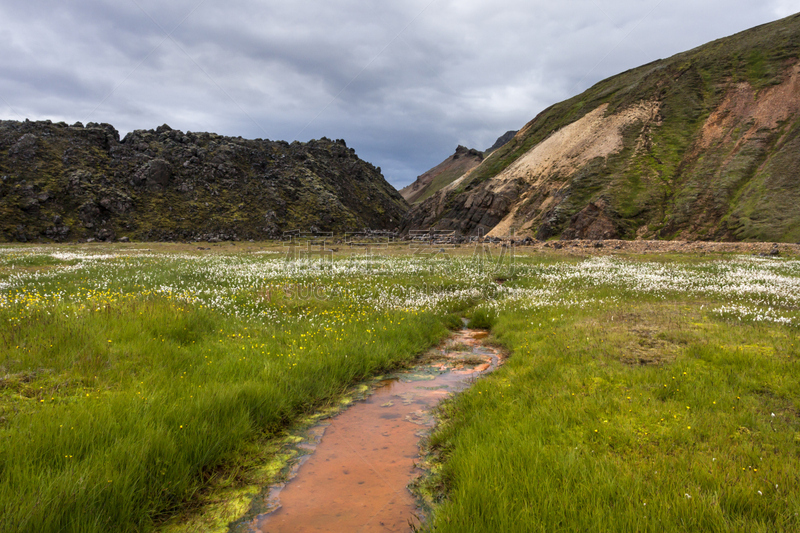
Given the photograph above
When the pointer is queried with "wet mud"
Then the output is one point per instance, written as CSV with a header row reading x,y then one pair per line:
x,y
354,468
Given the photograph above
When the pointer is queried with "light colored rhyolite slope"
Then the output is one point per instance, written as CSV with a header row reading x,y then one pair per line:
x,y
564,153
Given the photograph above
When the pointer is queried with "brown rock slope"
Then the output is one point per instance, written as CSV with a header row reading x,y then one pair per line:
x,y
704,145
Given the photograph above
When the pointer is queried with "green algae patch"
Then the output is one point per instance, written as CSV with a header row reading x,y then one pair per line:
x,y
229,496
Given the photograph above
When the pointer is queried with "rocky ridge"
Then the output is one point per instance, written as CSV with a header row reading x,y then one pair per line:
x,y
60,182
501,141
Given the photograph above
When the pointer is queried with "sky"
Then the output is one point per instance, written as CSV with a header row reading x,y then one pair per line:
x,y
403,82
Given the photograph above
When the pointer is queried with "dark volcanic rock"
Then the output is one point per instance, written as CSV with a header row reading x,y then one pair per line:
x,y
24,148
472,213
502,140
591,223
158,172
60,182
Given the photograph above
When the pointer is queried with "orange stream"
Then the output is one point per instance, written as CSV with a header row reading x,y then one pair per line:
x,y
356,478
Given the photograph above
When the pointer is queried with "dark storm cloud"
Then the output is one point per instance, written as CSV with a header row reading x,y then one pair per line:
x,y
402,82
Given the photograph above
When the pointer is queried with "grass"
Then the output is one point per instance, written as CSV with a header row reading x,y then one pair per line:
x,y
139,401
482,318
633,416
641,393
117,408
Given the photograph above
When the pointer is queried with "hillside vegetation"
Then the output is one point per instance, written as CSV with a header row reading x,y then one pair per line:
x,y
454,167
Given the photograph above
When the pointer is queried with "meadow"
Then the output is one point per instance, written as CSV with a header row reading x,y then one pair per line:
x,y
640,395
653,393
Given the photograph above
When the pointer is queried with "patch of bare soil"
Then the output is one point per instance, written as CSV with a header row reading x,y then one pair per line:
x,y
649,334
743,107
647,348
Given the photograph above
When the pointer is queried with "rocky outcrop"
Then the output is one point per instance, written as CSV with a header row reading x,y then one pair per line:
x,y
703,145
501,141
61,182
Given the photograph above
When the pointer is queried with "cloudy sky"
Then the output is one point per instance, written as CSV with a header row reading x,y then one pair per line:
x,y
403,81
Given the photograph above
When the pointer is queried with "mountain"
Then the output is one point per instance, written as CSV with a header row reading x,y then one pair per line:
x,y
449,170
60,182
703,145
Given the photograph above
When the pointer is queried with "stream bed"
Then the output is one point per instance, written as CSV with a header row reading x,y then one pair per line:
x,y
353,469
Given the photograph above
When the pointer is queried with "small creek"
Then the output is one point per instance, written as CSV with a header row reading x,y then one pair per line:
x,y
353,469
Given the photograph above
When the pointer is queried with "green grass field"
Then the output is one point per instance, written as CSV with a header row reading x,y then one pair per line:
x,y
651,396
641,394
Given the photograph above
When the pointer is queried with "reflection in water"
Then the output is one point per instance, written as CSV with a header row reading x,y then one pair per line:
x,y
364,458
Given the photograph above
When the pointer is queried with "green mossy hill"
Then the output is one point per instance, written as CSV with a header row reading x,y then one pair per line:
x,y
703,145
62,183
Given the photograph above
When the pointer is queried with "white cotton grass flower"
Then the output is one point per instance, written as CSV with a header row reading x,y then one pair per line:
x,y
239,285
754,314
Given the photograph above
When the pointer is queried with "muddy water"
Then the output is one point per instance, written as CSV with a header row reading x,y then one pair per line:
x,y
361,461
